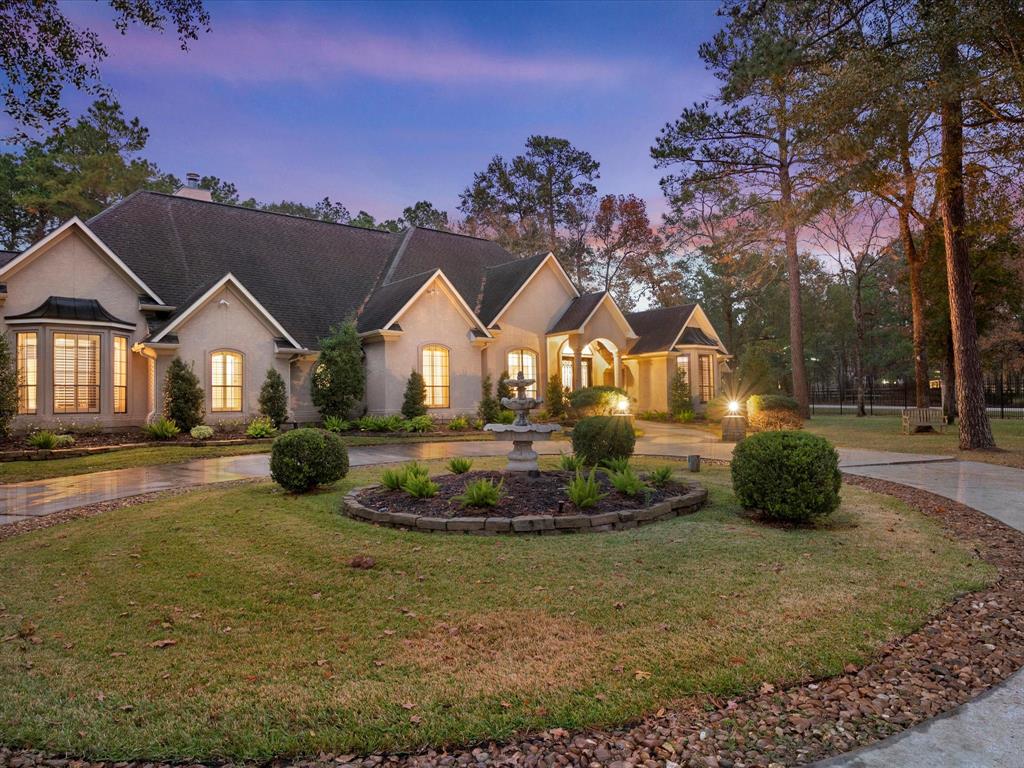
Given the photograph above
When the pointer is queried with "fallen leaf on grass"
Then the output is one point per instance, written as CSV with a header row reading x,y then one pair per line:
x,y
641,675
767,688
415,719
164,643
408,705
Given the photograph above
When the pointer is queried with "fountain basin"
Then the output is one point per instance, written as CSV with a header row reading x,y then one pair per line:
x,y
522,458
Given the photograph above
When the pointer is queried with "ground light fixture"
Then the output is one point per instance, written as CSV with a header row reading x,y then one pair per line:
x,y
734,425
622,406
734,406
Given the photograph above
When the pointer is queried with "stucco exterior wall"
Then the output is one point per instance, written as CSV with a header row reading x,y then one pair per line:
x,y
72,267
526,321
300,406
434,318
377,376
233,326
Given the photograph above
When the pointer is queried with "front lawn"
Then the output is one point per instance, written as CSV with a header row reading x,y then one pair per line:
x,y
883,433
226,623
150,455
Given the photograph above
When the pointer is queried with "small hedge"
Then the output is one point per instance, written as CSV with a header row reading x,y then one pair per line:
x,y
595,401
302,459
599,438
789,477
767,413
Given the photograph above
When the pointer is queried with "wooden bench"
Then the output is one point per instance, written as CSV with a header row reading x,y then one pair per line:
x,y
922,419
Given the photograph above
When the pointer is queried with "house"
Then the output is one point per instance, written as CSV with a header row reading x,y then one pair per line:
x,y
97,310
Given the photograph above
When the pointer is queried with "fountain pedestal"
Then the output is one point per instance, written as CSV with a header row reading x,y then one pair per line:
x,y
521,432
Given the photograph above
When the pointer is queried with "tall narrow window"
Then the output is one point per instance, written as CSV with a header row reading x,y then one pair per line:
x,y
120,374
524,360
76,373
707,381
28,371
435,376
226,381
683,365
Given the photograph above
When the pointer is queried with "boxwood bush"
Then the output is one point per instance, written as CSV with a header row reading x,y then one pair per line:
x,y
788,477
599,438
766,413
302,459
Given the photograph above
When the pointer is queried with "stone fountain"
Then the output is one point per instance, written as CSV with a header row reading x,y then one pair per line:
x,y
521,432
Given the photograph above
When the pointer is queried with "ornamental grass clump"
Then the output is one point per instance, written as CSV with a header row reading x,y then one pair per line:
x,y
660,477
261,426
481,493
302,459
790,477
161,428
570,463
420,487
336,424
417,424
628,483
618,464
585,490
460,465
44,440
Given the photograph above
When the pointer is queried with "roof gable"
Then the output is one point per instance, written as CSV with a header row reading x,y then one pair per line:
x,y
659,329
504,283
182,315
389,302
75,225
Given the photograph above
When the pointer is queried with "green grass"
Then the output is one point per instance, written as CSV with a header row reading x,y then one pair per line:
x,y
21,471
883,433
282,649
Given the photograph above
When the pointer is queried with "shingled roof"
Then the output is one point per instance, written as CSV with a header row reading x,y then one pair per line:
x,y
577,312
387,300
7,256
658,328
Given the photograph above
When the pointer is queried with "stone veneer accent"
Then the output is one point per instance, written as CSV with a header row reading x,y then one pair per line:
x,y
602,522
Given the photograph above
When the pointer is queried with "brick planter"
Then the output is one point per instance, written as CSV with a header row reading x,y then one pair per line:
x,y
527,524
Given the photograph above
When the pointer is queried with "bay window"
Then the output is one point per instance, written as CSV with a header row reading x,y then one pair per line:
x,y
226,381
76,373
436,375
28,371
120,374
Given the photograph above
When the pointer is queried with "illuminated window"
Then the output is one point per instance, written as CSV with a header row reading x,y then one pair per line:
x,y
28,371
524,360
707,378
226,381
120,374
76,373
587,355
435,375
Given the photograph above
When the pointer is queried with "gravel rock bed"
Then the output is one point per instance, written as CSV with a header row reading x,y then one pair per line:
x,y
969,646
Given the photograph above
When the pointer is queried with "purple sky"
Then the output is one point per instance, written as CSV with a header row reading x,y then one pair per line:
x,y
379,105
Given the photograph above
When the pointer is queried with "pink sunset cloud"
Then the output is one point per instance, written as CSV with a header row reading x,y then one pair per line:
x,y
299,52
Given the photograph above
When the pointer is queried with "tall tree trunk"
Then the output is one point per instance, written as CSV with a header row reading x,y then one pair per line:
x,y
858,345
975,430
914,263
796,314
949,381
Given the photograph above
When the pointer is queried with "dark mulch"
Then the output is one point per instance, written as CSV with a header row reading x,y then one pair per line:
x,y
969,646
523,495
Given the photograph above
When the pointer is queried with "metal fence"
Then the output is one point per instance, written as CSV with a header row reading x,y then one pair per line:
x,y
1004,396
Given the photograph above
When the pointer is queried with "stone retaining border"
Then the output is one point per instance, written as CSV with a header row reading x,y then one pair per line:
x,y
45,454
547,525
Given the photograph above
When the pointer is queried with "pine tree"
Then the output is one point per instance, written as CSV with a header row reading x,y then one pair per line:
x,y
274,398
183,397
414,403
504,388
8,386
680,401
339,380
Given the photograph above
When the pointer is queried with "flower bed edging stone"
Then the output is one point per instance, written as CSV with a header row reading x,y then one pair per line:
x,y
526,524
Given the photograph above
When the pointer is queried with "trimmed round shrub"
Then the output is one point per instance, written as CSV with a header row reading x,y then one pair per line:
x,y
790,477
302,459
599,438
767,413
595,401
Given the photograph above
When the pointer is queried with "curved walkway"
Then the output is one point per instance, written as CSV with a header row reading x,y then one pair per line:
x,y
984,733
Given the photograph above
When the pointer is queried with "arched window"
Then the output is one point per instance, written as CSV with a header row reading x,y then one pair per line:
x,y
524,360
225,381
435,375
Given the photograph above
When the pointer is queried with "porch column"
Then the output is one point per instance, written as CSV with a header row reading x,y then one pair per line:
x,y
617,362
576,341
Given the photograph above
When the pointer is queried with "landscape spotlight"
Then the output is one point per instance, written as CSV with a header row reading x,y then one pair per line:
x,y
623,405
734,406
